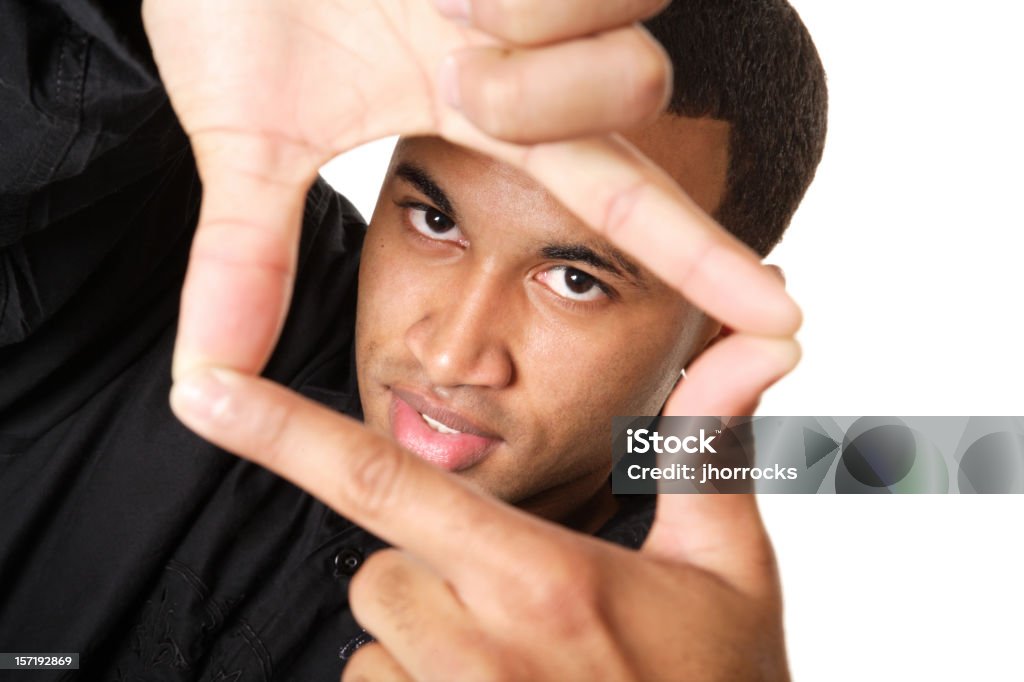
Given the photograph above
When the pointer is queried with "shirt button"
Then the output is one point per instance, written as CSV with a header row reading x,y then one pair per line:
x,y
347,561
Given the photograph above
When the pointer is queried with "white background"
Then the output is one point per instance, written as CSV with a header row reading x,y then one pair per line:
x,y
908,259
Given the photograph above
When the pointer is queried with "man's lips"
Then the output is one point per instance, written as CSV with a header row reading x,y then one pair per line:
x,y
452,451
447,416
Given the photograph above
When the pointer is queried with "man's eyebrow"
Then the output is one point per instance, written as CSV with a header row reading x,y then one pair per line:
x,y
426,184
609,259
612,260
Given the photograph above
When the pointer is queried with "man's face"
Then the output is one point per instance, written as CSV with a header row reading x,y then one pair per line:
x,y
497,335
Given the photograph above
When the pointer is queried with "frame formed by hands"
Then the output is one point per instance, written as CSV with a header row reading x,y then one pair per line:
x,y
499,286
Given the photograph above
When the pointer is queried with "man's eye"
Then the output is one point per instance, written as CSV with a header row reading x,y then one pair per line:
x,y
433,224
572,284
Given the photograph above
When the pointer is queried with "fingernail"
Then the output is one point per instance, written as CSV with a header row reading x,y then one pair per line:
x,y
204,396
454,9
448,81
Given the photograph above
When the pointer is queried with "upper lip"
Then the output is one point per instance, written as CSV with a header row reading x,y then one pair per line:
x,y
445,415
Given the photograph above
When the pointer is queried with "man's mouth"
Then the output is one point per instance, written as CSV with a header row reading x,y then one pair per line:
x,y
436,433
437,426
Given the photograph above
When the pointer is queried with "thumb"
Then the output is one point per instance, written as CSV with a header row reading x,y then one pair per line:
x,y
723,533
242,264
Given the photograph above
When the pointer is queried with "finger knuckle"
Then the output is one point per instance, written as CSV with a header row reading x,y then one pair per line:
x,y
564,597
273,421
494,106
387,597
371,576
651,73
376,476
620,210
239,241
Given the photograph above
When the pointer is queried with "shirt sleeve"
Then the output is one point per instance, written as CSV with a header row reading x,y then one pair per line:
x,y
82,110
99,196
88,138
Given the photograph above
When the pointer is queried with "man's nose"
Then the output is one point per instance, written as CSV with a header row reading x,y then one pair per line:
x,y
460,340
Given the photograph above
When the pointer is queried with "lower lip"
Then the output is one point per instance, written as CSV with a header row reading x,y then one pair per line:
x,y
451,451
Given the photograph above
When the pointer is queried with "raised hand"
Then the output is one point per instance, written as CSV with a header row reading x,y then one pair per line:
x,y
507,595
500,594
268,90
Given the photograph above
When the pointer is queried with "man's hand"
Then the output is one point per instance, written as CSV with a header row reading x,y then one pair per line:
x,y
269,90
479,590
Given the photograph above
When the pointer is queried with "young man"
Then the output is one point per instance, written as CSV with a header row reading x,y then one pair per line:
x,y
483,306
485,303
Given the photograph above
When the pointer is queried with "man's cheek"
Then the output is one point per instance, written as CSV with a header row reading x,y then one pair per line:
x,y
391,299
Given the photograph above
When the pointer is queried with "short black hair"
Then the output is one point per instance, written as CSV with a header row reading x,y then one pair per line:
x,y
753,64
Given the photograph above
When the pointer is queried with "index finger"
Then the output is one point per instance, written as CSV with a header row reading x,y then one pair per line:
x,y
626,197
364,476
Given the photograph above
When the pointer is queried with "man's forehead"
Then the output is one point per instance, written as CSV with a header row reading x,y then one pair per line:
x,y
469,187
457,164
693,151
466,184
473,187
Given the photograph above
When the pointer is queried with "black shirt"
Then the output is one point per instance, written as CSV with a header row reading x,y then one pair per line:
x,y
123,536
